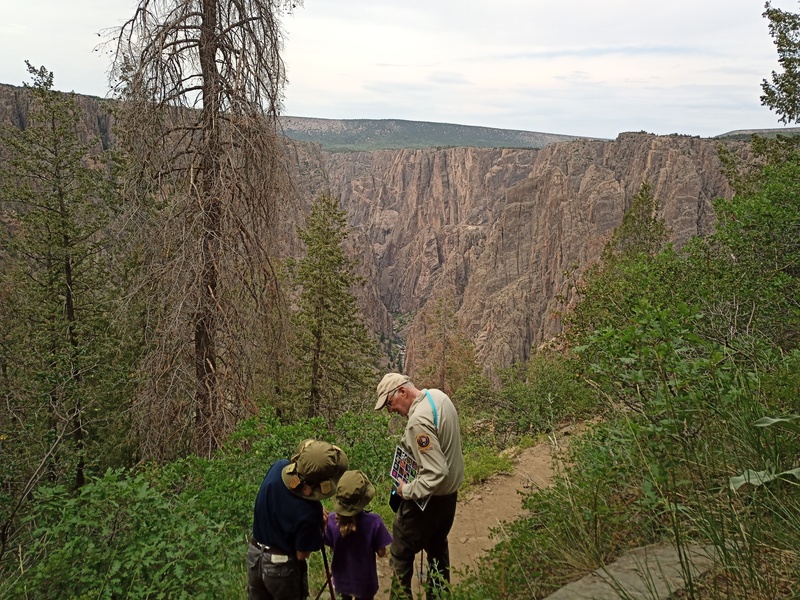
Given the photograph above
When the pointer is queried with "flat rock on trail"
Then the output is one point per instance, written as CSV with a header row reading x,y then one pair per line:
x,y
485,507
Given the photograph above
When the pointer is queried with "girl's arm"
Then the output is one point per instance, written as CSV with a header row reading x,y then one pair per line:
x,y
381,552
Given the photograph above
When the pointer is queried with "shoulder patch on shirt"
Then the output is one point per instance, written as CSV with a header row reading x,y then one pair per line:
x,y
423,442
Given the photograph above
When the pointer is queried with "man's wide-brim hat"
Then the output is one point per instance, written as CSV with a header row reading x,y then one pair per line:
x,y
389,383
314,471
353,493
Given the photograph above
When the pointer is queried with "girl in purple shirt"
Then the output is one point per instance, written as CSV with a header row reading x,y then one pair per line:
x,y
356,537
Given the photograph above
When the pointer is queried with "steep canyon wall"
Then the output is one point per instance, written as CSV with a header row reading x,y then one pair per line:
x,y
498,230
495,229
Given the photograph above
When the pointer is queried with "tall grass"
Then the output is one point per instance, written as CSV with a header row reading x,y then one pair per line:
x,y
679,425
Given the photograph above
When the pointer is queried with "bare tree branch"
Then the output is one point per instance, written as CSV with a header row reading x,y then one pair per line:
x,y
202,81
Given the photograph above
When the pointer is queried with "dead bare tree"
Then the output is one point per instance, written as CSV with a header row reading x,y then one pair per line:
x,y
201,82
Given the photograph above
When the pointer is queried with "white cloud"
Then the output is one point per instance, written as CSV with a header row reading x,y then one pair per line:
x,y
562,66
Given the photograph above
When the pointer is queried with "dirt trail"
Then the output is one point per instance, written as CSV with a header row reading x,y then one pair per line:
x,y
487,506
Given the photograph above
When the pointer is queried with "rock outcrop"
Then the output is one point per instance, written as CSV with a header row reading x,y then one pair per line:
x,y
95,117
498,229
495,229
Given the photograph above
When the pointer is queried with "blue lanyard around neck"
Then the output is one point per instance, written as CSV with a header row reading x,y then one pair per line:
x,y
433,407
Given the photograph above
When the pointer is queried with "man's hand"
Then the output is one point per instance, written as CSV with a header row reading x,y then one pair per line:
x,y
400,485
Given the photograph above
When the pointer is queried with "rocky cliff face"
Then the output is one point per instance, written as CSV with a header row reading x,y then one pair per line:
x,y
96,120
496,229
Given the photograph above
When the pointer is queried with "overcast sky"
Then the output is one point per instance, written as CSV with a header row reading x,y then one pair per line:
x,y
579,67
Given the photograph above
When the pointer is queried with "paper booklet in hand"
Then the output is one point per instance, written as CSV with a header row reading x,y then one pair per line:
x,y
405,468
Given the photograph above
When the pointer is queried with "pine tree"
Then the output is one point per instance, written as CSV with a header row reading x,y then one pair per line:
x,y
62,357
334,353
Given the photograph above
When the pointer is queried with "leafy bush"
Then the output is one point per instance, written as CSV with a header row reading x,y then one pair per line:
x,y
122,537
481,462
541,393
174,531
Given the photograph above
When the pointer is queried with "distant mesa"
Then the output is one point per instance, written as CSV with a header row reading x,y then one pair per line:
x,y
768,133
342,135
396,134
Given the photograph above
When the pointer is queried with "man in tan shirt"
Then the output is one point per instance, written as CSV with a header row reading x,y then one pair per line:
x,y
433,437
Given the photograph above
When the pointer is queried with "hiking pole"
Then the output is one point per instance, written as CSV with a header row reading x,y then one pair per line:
x,y
327,573
322,589
327,582
421,573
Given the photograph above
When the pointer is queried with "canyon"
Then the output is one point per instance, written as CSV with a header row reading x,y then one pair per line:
x,y
502,232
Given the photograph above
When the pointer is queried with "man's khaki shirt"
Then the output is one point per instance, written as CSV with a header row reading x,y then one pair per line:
x,y
437,449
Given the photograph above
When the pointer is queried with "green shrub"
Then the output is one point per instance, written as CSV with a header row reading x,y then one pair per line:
x,y
175,531
481,462
541,393
122,537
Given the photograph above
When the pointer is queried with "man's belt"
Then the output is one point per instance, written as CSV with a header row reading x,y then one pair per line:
x,y
265,548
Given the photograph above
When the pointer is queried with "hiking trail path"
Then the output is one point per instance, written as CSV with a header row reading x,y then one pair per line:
x,y
487,506
647,573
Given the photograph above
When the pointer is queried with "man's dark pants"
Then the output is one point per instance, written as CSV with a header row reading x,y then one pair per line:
x,y
267,580
416,530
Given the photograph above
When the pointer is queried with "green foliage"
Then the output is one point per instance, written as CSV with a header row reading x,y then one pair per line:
x,y
476,397
635,263
759,232
364,437
538,395
533,397
782,384
66,352
334,355
649,474
641,232
782,94
445,358
123,537
687,389
744,173
482,462
179,530
571,527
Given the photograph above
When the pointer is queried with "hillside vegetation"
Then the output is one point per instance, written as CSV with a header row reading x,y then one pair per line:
x,y
746,134
156,356
690,359
386,134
